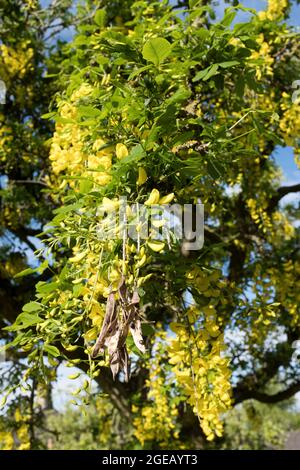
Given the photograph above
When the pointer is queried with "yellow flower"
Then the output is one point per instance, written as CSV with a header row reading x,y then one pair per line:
x,y
77,258
84,90
142,178
207,388
98,144
153,198
157,419
109,204
91,334
102,178
167,199
156,245
121,151
99,160
275,10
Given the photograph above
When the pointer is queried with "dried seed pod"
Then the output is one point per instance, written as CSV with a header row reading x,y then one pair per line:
x,y
109,324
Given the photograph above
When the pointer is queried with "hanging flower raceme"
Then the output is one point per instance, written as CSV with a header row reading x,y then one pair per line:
x,y
156,420
18,438
275,10
15,62
199,367
290,121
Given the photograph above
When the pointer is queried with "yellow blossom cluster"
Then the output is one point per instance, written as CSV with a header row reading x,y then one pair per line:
x,y
282,228
209,284
66,148
93,289
15,63
83,91
70,156
264,54
6,440
285,283
290,121
104,413
263,310
23,431
275,226
6,137
67,152
297,156
21,441
266,308
259,215
31,4
156,420
200,369
100,162
275,10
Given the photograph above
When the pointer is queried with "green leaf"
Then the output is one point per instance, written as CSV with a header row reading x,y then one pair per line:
x,y
213,71
46,287
229,63
43,266
200,75
214,168
228,17
68,208
49,115
243,52
40,269
180,95
88,111
166,120
52,350
24,320
156,50
100,18
152,137
85,186
81,40
138,72
147,329
193,3
206,73
25,272
32,307
132,347
136,154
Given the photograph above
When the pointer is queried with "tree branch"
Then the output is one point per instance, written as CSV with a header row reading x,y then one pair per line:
x,y
241,395
281,192
41,183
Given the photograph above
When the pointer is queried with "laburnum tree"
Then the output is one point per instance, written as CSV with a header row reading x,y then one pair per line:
x,y
30,53
160,103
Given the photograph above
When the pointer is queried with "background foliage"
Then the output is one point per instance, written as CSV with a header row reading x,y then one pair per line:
x,y
159,103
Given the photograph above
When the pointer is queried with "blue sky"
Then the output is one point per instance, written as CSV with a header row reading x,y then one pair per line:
x,y
258,5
